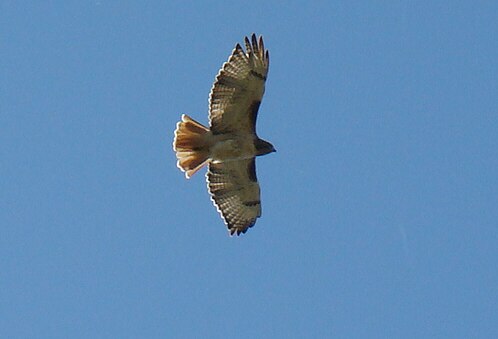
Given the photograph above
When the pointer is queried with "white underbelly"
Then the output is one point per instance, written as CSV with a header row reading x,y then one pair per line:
x,y
232,149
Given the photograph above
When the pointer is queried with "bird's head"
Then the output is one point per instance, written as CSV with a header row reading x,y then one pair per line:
x,y
263,147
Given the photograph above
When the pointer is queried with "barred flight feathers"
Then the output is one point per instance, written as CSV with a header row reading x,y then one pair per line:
x,y
239,83
235,191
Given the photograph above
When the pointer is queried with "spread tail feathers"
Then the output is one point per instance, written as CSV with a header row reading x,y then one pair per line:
x,y
191,148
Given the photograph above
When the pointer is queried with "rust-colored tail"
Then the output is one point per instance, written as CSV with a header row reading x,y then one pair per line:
x,y
190,145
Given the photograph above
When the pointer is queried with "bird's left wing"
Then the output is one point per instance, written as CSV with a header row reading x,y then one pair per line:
x,y
234,189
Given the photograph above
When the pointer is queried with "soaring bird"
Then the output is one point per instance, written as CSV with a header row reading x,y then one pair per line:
x,y
229,145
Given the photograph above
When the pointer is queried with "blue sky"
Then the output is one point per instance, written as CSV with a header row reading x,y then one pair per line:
x,y
380,208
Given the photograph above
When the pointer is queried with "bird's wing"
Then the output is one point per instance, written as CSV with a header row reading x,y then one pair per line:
x,y
234,189
238,89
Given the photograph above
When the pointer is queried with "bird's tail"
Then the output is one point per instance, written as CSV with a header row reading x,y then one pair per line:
x,y
190,145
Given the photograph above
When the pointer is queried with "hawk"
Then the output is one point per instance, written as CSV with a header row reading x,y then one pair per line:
x,y
230,145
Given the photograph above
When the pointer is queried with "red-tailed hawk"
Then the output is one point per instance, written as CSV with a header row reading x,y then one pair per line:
x,y
230,144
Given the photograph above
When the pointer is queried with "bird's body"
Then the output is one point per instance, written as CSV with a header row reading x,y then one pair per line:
x,y
232,147
229,146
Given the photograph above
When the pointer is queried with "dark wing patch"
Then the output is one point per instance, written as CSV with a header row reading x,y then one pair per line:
x,y
253,114
251,170
252,203
238,86
258,75
235,194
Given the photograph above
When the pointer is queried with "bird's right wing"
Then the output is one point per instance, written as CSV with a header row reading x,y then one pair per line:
x,y
238,89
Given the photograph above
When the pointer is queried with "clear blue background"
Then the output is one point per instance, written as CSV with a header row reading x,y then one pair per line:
x,y
380,208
